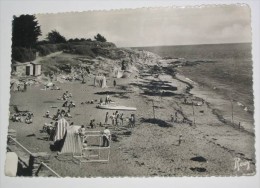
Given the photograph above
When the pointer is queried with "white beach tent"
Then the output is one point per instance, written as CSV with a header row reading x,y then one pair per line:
x,y
72,143
100,81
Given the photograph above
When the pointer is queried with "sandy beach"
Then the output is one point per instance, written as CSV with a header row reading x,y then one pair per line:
x,y
209,146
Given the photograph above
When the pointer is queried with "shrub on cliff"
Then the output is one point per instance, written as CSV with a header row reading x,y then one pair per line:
x,y
46,49
83,50
100,38
23,54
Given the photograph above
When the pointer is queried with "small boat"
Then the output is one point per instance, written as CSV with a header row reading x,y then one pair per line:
x,y
114,107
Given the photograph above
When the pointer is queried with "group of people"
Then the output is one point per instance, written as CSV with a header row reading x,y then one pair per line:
x,y
21,86
106,136
59,114
18,117
118,119
66,95
107,100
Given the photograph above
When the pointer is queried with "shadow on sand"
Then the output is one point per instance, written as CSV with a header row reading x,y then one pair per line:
x,y
159,122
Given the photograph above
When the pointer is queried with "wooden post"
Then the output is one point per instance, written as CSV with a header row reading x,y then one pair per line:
x,y
153,110
193,113
232,113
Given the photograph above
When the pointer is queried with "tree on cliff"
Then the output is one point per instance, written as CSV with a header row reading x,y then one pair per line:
x,y
100,38
55,37
25,31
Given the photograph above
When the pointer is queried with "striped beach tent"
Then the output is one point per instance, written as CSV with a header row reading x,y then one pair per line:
x,y
72,143
61,128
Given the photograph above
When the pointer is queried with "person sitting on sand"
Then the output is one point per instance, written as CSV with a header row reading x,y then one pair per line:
x,y
65,104
58,114
54,87
47,114
92,124
48,127
28,119
106,135
16,118
67,114
65,95
72,104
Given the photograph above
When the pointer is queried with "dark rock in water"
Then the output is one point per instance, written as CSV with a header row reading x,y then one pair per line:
x,y
199,159
198,169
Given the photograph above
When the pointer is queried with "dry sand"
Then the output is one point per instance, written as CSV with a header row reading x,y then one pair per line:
x,y
152,148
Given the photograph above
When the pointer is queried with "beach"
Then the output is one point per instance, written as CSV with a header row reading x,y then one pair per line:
x,y
209,146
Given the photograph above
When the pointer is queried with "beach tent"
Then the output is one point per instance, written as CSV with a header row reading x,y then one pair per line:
x,y
60,129
100,81
72,141
14,86
117,73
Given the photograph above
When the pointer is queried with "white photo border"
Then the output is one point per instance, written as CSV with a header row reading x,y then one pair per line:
x,y
8,8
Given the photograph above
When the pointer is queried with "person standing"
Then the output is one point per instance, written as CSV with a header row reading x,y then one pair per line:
x,y
106,118
114,83
113,119
122,119
106,137
25,87
133,120
117,118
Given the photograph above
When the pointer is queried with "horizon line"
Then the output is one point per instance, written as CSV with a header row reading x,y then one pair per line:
x,y
185,45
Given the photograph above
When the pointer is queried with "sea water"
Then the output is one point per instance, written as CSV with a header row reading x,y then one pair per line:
x,y
224,69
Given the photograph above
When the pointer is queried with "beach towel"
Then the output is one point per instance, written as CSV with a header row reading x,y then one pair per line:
x,y
61,128
72,143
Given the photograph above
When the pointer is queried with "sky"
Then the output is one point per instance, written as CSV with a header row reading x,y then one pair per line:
x,y
155,26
